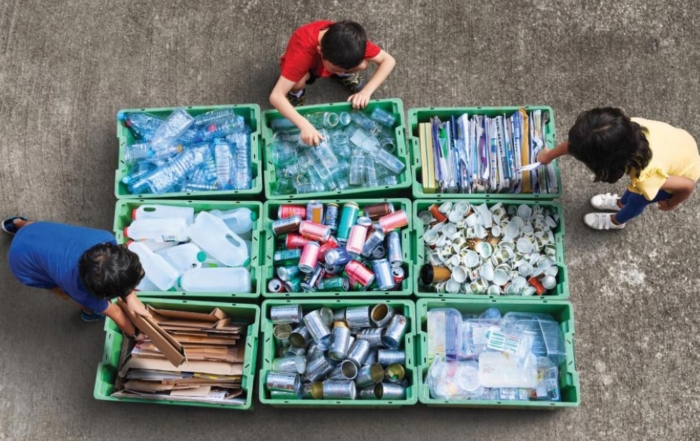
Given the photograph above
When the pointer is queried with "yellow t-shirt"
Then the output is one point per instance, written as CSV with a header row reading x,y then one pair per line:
x,y
674,153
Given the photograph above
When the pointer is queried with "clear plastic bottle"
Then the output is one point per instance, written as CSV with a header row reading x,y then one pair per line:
x,y
239,220
389,161
223,157
184,257
282,153
281,124
382,117
140,170
160,230
141,125
213,117
212,235
137,152
323,119
157,269
357,169
173,127
364,142
365,123
216,280
241,145
309,187
192,135
371,174
224,128
165,177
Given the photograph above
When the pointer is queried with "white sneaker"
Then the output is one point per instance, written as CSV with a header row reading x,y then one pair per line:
x,y
601,221
607,202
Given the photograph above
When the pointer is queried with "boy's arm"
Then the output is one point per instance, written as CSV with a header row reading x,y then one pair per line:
x,y
278,99
121,319
681,188
385,64
548,155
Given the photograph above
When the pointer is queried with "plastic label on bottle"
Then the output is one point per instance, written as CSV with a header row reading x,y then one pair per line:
x,y
499,341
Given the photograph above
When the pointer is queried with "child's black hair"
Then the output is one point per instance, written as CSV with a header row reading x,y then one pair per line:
x,y
110,271
344,44
609,143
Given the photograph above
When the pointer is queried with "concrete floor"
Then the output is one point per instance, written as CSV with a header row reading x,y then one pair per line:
x,y
67,67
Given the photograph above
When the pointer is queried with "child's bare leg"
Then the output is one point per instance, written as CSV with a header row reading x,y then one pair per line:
x,y
19,223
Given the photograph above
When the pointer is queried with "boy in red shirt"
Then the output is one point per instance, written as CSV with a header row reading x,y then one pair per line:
x,y
324,49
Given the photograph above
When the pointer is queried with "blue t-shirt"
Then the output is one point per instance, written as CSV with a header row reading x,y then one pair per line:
x,y
46,255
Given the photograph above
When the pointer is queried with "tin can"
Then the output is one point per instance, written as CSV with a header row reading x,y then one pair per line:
x,y
327,315
314,212
293,284
339,390
309,257
275,285
339,315
379,252
337,257
398,274
330,244
294,240
313,350
369,375
385,357
372,335
382,274
316,232
299,337
282,314
357,316
397,219
359,273
319,367
283,381
286,257
373,241
317,328
435,211
375,211
287,210
308,284
394,246
340,343
381,315
286,225
389,391
394,373
347,219
371,357
293,351
356,241
281,333
368,393
296,364
312,391
395,332
332,269
331,217
286,273
358,352
334,284
347,370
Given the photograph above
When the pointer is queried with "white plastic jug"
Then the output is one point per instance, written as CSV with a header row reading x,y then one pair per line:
x,y
238,220
159,230
184,257
158,271
214,237
157,246
216,280
154,211
146,285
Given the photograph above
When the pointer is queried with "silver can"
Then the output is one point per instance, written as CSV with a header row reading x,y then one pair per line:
x,y
319,367
382,274
284,314
313,351
369,375
394,244
312,391
372,242
311,280
299,337
283,381
340,343
280,334
379,252
381,315
292,351
394,373
385,357
347,370
371,357
389,391
357,317
358,352
368,393
317,328
372,335
393,336
296,364
339,390
327,315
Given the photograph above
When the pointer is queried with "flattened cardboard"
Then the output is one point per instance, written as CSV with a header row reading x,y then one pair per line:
x,y
205,367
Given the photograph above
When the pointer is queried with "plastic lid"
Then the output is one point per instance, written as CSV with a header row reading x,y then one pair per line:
x,y
126,231
253,216
121,115
129,243
133,215
201,256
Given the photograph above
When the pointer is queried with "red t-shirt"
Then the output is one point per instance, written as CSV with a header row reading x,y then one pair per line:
x,y
302,55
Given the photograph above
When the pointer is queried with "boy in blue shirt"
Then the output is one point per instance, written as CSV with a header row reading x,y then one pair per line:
x,y
85,264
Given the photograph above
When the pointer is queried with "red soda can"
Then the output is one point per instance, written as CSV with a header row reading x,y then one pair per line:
x,y
393,221
356,240
359,273
294,240
287,210
314,231
327,245
398,274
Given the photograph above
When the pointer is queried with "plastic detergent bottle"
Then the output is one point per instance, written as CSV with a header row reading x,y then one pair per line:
x,y
217,240
216,280
159,230
154,211
158,271
238,220
184,257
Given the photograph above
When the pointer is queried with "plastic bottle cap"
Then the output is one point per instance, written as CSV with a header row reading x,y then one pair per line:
x,y
129,243
247,262
133,216
121,116
201,256
253,216
126,231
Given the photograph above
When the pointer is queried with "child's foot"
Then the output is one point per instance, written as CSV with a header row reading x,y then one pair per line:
x,y
607,201
91,317
12,224
601,221
297,99
353,82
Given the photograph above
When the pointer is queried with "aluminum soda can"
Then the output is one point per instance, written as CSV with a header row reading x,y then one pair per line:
x,y
356,241
286,225
275,285
373,241
287,210
314,212
382,274
286,257
313,231
331,217
348,217
397,219
309,257
337,257
394,246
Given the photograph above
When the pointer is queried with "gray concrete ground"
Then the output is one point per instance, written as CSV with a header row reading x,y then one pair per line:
x,y
67,67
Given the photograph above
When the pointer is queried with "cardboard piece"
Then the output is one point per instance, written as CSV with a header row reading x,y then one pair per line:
x,y
205,367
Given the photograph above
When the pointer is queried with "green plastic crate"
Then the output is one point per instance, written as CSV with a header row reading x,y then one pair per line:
x,y
268,270
122,218
423,115
394,106
562,290
405,307
562,311
251,114
108,367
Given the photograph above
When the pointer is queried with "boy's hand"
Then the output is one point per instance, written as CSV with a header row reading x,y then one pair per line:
x,y
360,100
141,337
311,136
543,157
135,306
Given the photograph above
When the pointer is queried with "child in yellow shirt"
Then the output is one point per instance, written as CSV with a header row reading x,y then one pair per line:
x,y
662,162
